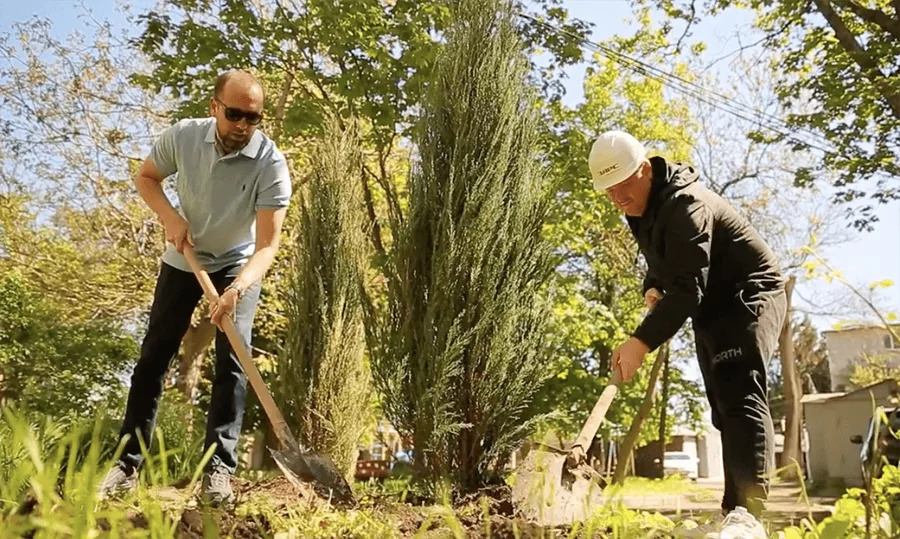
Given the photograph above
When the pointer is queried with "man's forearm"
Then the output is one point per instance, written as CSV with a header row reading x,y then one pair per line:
x,y
152,193
664,321
257,266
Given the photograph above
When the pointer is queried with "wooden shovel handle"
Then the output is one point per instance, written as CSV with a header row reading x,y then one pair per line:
x,y
579,449
256,382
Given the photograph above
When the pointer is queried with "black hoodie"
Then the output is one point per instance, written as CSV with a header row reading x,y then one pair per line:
x,y
704,256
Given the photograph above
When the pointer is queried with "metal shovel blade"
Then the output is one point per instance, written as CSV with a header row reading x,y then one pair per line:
x,y
550,493
305,469
555,487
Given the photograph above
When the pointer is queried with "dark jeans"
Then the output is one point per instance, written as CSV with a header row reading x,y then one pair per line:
x,y
177,295
734,350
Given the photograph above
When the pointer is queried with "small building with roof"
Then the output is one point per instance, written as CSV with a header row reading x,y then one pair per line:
x,y
832,419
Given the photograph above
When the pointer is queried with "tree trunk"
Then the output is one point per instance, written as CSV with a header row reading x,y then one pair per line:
x,y
374,226
270,440
627,449
792,391
282,102
660,470
351,466
197,339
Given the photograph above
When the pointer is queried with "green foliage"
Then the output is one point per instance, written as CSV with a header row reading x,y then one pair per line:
x,y
322,375
51,472
850,520
40,461
364,58
54,366
873,368
27,434
180,433
73,224
843,69
457,351
322,56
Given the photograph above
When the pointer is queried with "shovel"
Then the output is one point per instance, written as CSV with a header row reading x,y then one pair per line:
x,y
554,487
297,464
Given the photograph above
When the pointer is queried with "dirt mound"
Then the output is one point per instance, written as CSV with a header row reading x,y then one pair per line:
x,y
488,512
195,524
277,495
278,490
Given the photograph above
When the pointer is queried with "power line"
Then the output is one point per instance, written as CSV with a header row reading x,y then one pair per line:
x,y
695,91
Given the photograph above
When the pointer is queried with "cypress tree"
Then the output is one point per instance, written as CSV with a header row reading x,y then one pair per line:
x,y
458,353
323,376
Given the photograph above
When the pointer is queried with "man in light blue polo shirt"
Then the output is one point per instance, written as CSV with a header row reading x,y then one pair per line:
x,y
233,189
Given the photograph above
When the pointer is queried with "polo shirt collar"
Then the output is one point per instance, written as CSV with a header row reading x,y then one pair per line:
x,y
251,149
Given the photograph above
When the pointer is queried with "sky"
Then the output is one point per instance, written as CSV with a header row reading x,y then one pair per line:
x,y
871,256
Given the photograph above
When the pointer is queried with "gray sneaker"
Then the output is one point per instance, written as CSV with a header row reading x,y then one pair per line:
x,y
741,524
217,487
119,481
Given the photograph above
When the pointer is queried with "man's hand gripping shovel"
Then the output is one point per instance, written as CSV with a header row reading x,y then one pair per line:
x,y
297,464
556,487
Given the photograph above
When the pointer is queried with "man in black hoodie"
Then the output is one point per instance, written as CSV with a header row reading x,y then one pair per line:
x,y
705,262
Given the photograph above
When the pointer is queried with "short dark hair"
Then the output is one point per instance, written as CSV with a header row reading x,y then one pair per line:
x,y
223,79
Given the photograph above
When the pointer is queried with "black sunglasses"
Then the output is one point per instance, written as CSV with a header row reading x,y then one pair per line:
x,y
235,115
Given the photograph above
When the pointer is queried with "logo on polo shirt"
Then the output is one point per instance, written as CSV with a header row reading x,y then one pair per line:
x,y
608,169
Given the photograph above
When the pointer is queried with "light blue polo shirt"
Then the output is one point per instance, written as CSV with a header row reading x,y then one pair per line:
x,y
219,195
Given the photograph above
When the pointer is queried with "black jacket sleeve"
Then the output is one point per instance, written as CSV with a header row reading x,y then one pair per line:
x,y
688,238
651,280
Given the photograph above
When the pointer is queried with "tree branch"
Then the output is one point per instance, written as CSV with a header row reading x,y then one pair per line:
x,y
373,218
385,184
736,180
383,154
282,101
874,16
868,302
862,58
742,48
687,28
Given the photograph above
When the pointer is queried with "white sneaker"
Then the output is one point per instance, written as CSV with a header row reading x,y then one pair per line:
x,y
740,524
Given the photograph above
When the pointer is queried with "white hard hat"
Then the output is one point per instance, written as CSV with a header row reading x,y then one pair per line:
x,y
614,157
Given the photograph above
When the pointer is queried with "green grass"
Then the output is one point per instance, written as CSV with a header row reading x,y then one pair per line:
x,y
670,486
50,472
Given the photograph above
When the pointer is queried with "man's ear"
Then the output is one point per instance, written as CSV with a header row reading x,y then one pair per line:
x,y
647,170
212,106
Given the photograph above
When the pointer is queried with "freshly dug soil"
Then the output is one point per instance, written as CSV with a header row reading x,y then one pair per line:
x,y
194,523
489,512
